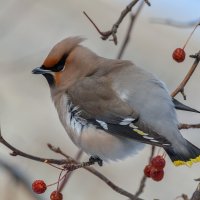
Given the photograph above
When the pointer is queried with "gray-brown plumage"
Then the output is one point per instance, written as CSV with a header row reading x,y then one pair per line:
x,y
110,107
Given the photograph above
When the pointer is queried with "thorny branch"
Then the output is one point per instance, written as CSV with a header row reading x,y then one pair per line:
x,y
113,31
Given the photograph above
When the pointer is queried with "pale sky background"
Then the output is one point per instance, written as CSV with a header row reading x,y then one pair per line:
x,y
29,29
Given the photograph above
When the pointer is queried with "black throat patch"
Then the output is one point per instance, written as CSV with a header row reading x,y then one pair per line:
x,y
50,79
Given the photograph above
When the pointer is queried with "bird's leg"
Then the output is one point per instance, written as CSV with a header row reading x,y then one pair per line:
x,y
94,159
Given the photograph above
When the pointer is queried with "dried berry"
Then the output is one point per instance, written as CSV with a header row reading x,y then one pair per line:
x,y
157,174
179,55
55,195
147,170
158,162
39,186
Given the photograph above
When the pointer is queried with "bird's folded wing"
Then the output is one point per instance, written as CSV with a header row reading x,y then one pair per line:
x,y
96,102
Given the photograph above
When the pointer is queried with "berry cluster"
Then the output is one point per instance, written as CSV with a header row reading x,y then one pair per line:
x,y
39,187
179,54
155,169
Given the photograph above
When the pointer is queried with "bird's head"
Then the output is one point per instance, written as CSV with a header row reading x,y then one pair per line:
x,y
59,67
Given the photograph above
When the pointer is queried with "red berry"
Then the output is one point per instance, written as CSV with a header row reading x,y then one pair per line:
x,y
39,186
179,55
147,170
158,162
157,174
55,195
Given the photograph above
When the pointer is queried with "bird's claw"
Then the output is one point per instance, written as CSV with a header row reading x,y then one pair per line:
x,y
97,160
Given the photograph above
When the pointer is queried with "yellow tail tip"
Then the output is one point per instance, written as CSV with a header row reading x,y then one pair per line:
x,y
188,163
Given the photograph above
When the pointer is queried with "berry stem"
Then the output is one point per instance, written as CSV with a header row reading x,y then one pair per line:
x,y
54,166
60,179
190,35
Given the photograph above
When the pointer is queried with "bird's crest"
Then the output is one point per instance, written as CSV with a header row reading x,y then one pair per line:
x,y
61,50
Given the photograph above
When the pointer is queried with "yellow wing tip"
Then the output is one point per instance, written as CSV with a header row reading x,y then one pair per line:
x,y
188,163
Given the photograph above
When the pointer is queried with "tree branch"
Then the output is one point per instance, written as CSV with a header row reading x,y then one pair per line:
x,y
188,126
99,175
144,178
113,31
130,28
180,88
68,174
111,184
196,194
17,152
69,164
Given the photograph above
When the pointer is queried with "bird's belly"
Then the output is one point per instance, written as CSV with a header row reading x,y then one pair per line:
x,y
99,143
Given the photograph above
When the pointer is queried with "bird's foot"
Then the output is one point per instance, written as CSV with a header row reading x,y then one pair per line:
x,y
96,160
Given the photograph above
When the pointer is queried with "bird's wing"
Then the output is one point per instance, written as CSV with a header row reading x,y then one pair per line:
x,y
94,101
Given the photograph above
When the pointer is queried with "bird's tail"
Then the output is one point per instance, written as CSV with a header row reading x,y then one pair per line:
x,y
187,157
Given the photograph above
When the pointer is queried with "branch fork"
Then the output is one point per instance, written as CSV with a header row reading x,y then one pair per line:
x,y
113,31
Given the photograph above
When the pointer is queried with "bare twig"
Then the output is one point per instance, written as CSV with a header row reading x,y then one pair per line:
x,y
99,175
196,194
144,178
181,86
188,126
111,184
69,164
130,28
17,152
106,34
68,174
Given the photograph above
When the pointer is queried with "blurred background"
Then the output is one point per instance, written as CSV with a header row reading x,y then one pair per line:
x,y
29,29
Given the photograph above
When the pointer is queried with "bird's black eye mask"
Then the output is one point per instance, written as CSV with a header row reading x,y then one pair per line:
x,y
48,72
50,79
57,67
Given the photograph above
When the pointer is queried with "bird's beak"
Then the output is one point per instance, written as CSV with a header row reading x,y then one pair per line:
x,y
39,70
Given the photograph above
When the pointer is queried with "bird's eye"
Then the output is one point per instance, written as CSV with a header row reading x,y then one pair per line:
x,y
58,66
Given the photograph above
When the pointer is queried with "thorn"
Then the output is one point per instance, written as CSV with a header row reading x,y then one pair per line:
x,y
195,56
13,153
183,93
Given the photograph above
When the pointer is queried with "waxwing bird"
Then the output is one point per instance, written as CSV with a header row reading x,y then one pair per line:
x,y
110,108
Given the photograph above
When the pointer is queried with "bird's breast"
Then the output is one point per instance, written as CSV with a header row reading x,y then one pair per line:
x,y
70,118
